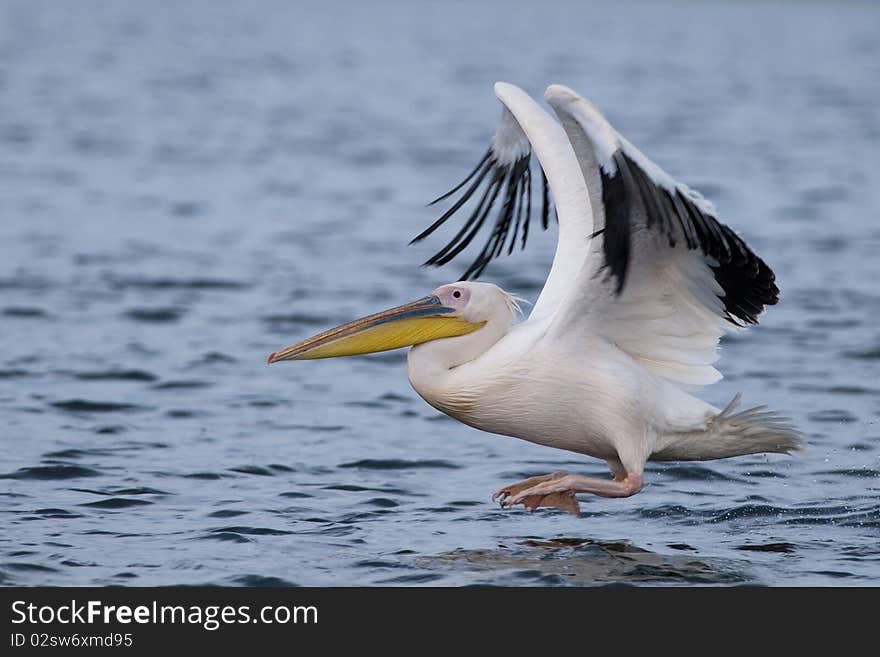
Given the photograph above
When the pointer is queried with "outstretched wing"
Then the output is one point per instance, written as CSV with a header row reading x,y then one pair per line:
x,y
503,176
670,278
503,182
641,260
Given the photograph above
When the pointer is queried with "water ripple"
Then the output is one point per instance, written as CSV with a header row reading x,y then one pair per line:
x,y
398,464
52,472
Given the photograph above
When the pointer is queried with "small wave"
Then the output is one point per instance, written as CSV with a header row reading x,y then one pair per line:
x,y
58,471
860,447
366,403
87,406
116,375
398,464
694,473
382,503
684,547
155,314
785,548
73,563
183,413
350,518
213,357
297,319
750,511
418,578
835,574
57,513
140,490
765,474
232,537
261,581
354,488
665,511
836,390
177,283
13,374
186,208
863,354
182,385
24,312
375,563
832,415
318,428
439,417
534,576
853,472
266,403
116,503
23,566
125,575
257,531
110,429
26,282
227,513
78,453
390,396
692,575
253,470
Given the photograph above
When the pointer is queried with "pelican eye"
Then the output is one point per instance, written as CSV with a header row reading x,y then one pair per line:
x,y
456,294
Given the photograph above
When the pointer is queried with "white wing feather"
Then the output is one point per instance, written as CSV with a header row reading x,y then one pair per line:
x,y
663,304
568,186
669,316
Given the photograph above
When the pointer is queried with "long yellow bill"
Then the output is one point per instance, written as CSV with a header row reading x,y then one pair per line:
x,y
413,323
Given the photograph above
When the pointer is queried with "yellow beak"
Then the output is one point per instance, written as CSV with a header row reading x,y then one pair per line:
x,y
413,323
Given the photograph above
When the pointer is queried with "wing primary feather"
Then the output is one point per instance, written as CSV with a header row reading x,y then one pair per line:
x,y
715,244
502,180
477,219
616,199
505,217
687,227
520,202
496,238
463,237
747,283
545,200
646,191
698,222
456,206
464,182
528,207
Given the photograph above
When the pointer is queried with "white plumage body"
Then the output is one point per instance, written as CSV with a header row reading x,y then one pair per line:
x,y
594,400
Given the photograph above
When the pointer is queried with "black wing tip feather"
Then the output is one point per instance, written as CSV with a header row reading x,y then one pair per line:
x,y
747,281
512,183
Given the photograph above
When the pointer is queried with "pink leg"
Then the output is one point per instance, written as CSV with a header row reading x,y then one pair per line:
x,y
564,500
624,487
550,490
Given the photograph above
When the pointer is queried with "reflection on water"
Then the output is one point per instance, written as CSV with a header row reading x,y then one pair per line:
x,y
584,561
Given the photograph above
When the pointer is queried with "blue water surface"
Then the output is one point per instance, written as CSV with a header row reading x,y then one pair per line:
x,y
187,187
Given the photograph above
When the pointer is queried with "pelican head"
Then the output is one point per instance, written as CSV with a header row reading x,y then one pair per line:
x,y
450,311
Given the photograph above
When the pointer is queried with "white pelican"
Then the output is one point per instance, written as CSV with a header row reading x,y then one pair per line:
x,y
644,282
